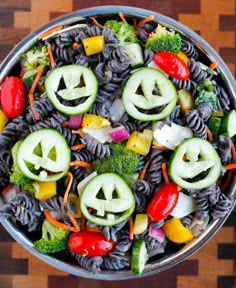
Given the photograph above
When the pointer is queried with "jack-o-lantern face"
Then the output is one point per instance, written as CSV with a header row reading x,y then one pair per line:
x,y
149,95
72,89
195,164
44,155
110,198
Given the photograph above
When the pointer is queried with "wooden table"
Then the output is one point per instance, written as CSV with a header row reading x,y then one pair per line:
x,y
214,265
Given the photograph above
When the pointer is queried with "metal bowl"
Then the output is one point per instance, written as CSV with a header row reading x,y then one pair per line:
x,y
103,11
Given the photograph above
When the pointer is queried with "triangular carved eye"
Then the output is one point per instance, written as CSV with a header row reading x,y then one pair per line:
x,y
38,150
52,154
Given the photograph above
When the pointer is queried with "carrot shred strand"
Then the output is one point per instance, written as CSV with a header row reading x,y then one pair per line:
x,y
66,195
57,223
209,135
131,228
96,22
77,147
50,31
122,17
213,65
50,54
164,173
145,20
160,147
143,172
81,164
230,166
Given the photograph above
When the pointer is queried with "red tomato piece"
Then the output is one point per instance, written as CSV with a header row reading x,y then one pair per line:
x,y
90,243
13,97
172,65
163,202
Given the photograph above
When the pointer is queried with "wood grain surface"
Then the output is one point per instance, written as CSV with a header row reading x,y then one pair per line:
x,y
213,266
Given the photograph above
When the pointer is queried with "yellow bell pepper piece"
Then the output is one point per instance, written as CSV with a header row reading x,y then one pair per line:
x,y
46,190
176,232
140,223
140,142
185,100
93,45
94,121
183,56
3,121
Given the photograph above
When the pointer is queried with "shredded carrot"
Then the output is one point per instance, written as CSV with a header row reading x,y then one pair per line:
x,y
79,131
31,100
145,20
36,80
50,31
82,222
50,54
230,166
81,164
66,195
160,147
6,189
73,221
78,146
213,65
22,73
96,22
75,46
57,223
209,135
164,173
92,229
122,17
143,172
230,173
65,201
65,124
186,110
131,228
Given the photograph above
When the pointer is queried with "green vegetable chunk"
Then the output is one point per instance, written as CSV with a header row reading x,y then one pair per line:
x,y
149,89
164,40
125,32
35,57
54,239
139,256
195,164
110,198
122,161
44,155
70,84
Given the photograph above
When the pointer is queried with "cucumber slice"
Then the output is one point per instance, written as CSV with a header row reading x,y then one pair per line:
x,y
110,197
79,85
149,89
214,125
228,124
139,256
135,52
195,164
34,155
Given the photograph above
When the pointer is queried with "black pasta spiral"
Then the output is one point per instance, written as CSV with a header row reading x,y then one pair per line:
x,y
196,123
154,173
196,71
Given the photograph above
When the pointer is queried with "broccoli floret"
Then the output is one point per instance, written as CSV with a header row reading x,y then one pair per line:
x,y
17,177
206,94
122,161
162,39
54,239
35,57
124,31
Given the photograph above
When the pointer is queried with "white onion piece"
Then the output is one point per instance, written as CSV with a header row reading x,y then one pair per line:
x,y
75,122
117,110
156,233
84,182
119,134
160,249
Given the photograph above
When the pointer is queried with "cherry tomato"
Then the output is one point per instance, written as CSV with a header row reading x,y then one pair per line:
x,y
90,243
13,97
163,202
172,65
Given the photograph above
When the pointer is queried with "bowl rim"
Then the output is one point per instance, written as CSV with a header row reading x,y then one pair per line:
x,y
168,261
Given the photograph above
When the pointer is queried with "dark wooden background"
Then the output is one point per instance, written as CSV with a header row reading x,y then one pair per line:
x,y
214,266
